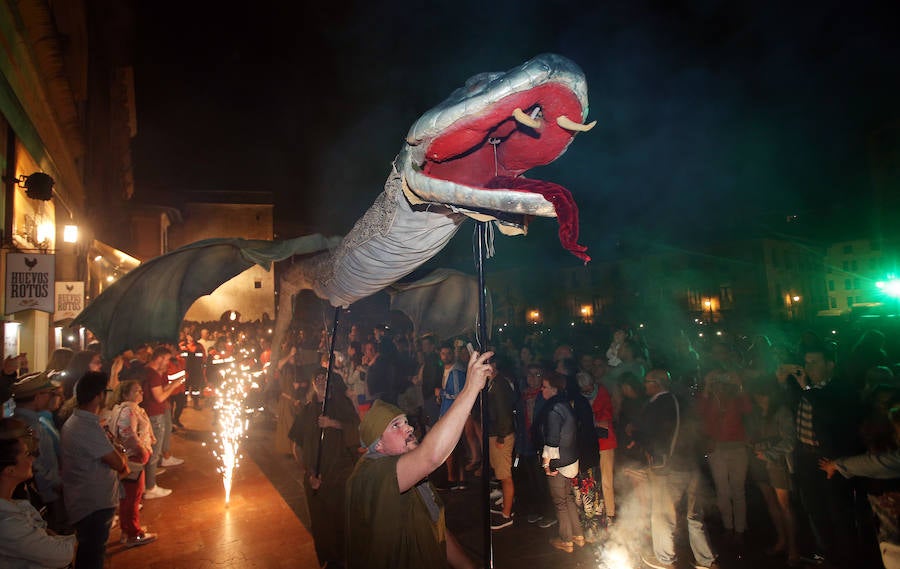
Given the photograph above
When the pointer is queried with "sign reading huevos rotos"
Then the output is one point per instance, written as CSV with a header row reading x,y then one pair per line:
x,y
29,282
69,299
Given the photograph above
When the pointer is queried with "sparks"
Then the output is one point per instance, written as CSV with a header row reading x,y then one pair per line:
x,y
231,420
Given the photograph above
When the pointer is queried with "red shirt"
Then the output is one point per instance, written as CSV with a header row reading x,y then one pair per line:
x,y
603,411
150,404
723,417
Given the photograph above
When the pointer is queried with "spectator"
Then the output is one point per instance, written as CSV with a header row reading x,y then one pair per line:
x,y
25,541
91,469
288,401
452,385
157,390
559,456
131,427
533,494
501,399
81,363
602,406
827,419
432,371
668,435
772,435
881,466
33,394
723,406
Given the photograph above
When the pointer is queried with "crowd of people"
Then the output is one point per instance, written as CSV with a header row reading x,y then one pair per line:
x,y
587,442
803,430
86,440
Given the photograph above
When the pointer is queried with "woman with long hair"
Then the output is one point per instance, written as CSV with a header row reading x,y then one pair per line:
x,y
771,433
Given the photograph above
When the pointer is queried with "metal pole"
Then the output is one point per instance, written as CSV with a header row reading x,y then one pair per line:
x,y
325,398
481,243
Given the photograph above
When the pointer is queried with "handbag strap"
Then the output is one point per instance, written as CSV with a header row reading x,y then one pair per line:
x,y
115,423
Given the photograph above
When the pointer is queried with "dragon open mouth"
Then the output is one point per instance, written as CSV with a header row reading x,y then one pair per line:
x,y
472,150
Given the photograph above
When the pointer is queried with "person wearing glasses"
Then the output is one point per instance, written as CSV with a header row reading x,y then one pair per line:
x,y
25,540
668,432
33,394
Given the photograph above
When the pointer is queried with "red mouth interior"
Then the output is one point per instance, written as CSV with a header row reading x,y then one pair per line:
x,y
463,153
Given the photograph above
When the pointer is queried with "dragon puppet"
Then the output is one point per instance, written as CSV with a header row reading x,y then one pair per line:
x,y
464,158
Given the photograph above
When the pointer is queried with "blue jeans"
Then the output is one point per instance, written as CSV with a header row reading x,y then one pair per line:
x,y
162,430
666,490
92,532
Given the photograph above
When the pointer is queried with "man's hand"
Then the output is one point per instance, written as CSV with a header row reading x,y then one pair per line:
x,y
478,371
315,482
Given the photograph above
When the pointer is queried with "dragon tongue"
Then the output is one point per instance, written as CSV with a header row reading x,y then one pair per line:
x,y
561,198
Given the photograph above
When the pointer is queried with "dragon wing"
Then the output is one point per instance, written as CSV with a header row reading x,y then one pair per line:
x,y
149,303
444,303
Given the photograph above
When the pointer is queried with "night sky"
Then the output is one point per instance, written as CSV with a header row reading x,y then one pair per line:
x,y
713,119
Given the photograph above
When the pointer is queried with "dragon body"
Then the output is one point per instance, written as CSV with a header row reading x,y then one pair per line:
x,y
464,158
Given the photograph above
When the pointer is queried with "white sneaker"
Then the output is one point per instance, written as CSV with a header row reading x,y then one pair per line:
x,y
171,461
156,492
496,493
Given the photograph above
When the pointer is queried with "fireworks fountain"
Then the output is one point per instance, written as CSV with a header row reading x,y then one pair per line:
x,y
232,416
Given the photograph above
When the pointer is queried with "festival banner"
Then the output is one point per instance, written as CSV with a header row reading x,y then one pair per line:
x,y
69,299
29,282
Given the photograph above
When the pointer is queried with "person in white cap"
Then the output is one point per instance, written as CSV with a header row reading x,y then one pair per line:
x,y
394,518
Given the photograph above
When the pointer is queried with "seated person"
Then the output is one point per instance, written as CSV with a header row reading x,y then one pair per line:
x,y
24,538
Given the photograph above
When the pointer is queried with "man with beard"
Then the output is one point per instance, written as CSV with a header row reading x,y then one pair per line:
x,y
394,518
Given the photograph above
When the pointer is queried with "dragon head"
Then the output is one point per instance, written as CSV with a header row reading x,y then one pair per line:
x,y
471,151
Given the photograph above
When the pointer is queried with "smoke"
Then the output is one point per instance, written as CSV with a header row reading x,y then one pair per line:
x,y
621,545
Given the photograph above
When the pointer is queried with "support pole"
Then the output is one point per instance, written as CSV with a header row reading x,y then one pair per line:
x,y
482,337
325,397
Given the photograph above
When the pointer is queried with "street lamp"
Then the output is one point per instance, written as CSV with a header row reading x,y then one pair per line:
x,y
709,306
70,234
890,287
793,301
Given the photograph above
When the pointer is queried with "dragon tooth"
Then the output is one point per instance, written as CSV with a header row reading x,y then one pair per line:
x,y
568,124
525,119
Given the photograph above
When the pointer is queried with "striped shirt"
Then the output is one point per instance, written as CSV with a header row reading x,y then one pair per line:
x,y
805,431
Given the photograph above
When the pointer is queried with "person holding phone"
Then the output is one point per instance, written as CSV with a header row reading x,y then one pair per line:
x,y
157,390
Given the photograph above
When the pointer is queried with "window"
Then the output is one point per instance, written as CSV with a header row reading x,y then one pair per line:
x,y
848,284
845,265
833,302
849,302
856,284
848,249
830,285
854,266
